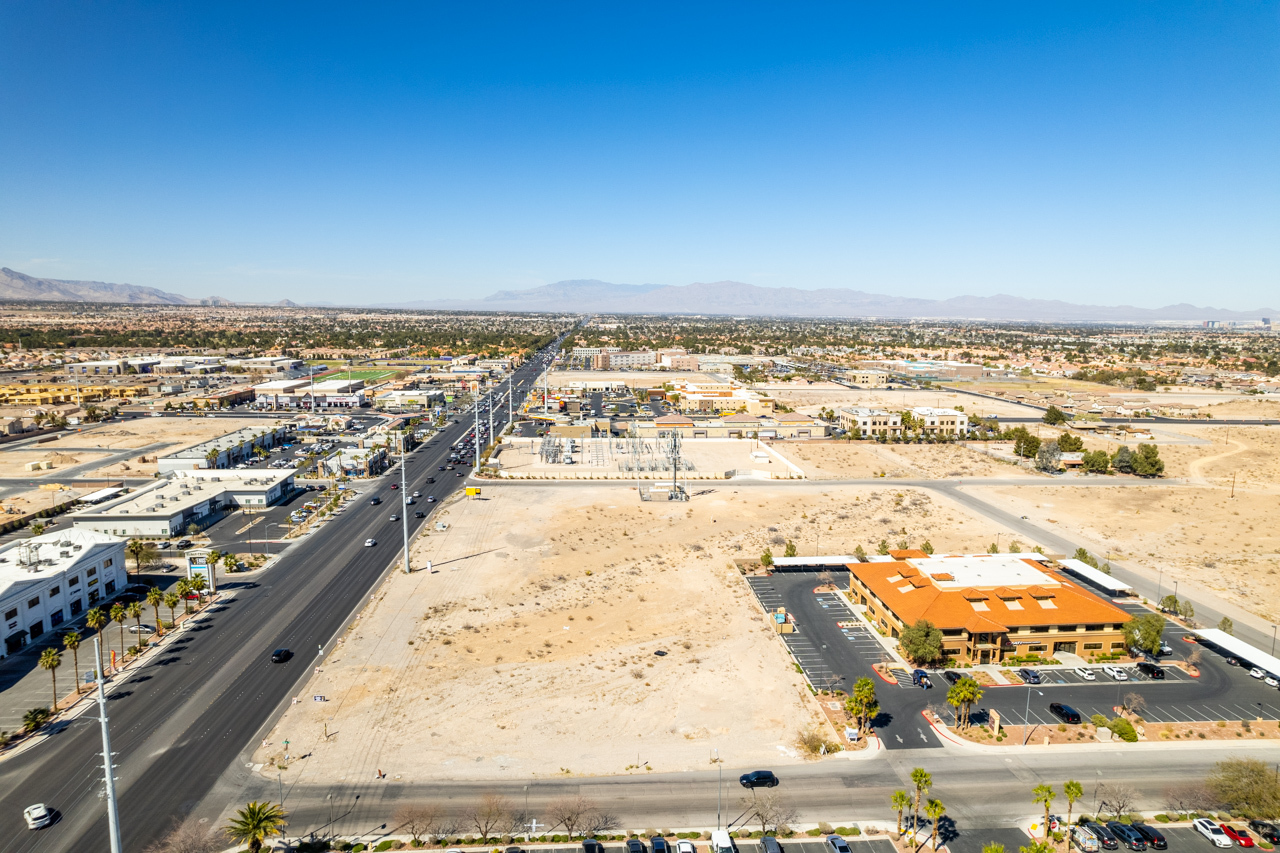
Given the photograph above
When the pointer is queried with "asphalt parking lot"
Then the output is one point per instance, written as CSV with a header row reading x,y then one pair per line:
x,y
835,648
867,844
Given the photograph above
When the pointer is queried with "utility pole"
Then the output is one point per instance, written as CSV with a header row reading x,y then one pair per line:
x,y
511,402
475,462
113,812
404,503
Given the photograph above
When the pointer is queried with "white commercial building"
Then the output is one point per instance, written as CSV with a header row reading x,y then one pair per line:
x,y
869,421
169,507
54,578
225,450
944,421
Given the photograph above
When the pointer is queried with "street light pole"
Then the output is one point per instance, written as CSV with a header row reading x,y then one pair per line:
x,y
113,812
1026,717
404,504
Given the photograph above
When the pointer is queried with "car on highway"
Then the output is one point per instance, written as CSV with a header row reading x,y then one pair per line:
x,y
1154,838
375,500
395,517
182,543
1116,673
920,679
1066,713
1104,835
1211,831
38,816
281,655
1241,837
395,486
1127,835
419,514
1085,673
369,543
431,499
441,467
431,479
459,474
1150,670
1266,829
759,779
417,494
836,844
1029,676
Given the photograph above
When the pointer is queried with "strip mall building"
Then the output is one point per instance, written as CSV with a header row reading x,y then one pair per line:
x,y
988,606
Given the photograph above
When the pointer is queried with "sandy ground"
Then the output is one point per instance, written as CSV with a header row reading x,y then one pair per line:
x,y
1201,534
710,457
531,650
861,459
813,398
13,462
1245,407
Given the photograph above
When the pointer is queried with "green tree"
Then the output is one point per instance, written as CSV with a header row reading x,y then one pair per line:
x,y
50,660
862,702
790,550
1048,457
922,781
1245,785
1187,609
183,589
134,611
1147,462
1070,443
34,719
37,527
927,547
766,559
255,823
1226,626
1169,604
993,548
96,619
118,615
71,642
1122,460
198,584
993,847
229,562
172,600
1096,461
883,548
143,553
922,642
1044,795
1074,792
1144,632
1037,847
155,597
1085,557
962,696
900,801
1054,416
934,810
860,554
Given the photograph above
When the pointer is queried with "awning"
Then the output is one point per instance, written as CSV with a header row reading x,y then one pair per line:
x,y
101,495
1240,649
1102,580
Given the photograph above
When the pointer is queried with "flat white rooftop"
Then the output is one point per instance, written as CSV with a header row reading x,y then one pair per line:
x,y
983,570
24,560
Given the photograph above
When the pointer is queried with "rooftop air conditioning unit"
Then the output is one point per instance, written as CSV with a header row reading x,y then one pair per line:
x,y
64,553
77,547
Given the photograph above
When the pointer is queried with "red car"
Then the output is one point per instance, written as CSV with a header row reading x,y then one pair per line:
x,y
1241,837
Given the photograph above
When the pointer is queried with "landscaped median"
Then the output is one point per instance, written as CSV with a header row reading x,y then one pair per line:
x,y
1124,727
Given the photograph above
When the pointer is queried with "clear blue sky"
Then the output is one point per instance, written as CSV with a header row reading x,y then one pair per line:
x,y
1106,152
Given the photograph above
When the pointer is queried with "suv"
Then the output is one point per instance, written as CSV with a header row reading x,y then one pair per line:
x,y
1128,836
1152,836
1266,830
920,679
1104,836
1150,670
759,779
1065,713
836,844
1030,676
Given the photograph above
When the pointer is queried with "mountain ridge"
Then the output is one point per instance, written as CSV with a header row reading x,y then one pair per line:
x,y
15,286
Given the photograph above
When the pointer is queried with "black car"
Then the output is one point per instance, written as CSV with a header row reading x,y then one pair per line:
x,y
431,479
635,845
281,655
375,500
770,844
1066,713
759,779
441,467
1150,670
659,844
1152,836
419,514
1030,676
590,845
1127,835
952,676
1267,830
182,543
1105,837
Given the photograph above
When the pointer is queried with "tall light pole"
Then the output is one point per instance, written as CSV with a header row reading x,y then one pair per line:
x,y
404,503
475,451
1026,716
113,812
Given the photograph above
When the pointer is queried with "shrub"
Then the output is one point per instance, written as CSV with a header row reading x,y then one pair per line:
x,y
785,831
744,833
853,830
1163,818
706,836
1123,729
359,848
814,833
384,845
825,828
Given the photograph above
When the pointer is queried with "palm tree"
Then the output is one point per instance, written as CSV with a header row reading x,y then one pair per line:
x,y
71,640
1074,791
256,822
934,810
51,659
135,613
1044,794
923,782
862,702
197,585
993,847
954,700
154,598
172,600
118,615
96,619
962,696
143,553
901,801
182,588
34,719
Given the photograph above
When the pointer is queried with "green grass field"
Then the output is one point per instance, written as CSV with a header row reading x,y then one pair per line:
x,y
366,375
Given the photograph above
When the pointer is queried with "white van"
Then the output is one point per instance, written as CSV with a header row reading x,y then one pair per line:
x,y
722,842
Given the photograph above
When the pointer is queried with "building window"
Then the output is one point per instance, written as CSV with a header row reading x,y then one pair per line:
x,y
55,618
1095,627
94,595
11,614
1040,648
108,563
1117,646
35,602
93,571
73,581
1062,628
1039,629
111,587
1093,647
54,590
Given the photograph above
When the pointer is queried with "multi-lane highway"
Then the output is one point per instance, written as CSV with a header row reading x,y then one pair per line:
x,y
179,721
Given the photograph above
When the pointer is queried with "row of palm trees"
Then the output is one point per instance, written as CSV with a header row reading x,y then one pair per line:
x,y
98,618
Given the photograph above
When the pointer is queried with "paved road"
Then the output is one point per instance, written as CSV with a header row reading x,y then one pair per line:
x,y
180,721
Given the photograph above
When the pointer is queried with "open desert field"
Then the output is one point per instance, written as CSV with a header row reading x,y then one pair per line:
x,y
1194,534
862,459
710,458
531,651
811,399
13,462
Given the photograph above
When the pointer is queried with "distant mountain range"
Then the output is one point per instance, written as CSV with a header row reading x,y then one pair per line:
x,y
721,298
733,298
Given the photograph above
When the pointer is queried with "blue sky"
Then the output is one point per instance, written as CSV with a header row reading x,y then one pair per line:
x,y
379,152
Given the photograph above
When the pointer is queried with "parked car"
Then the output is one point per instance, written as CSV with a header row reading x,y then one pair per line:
x,y
1266,829
1104,835
141,629
1257,673
769,844
1150,670
658,844
590,845
1211,831
1085,673
920,679
1151,835
1241,837
182,543
1066,713
836,844
1127,835
1030,676
635,845
952,676
759,779
1116,672
1084,840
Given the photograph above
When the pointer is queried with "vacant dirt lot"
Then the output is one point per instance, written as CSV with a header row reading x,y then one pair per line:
x,y
13,462
861,459
532,649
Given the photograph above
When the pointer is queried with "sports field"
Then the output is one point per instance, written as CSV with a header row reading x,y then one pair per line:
x,y
366,375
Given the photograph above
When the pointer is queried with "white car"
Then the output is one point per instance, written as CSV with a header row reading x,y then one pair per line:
x,y
143,629
1116,672
1211,831
1085,673
37,816
1257,673
369,543
685,847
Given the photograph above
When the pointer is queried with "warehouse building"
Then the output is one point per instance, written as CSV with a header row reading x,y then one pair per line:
x,y
988,606
225,450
